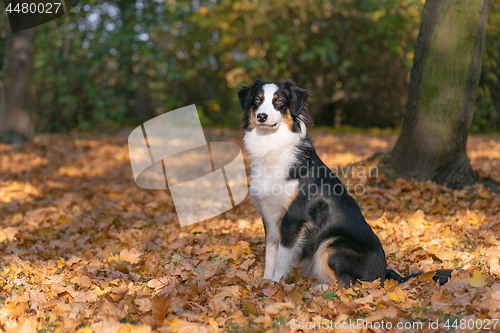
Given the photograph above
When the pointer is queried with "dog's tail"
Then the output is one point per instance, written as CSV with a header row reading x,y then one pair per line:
x,y
441,275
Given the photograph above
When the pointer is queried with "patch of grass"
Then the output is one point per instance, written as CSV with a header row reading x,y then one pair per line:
x,y
278,322
128,319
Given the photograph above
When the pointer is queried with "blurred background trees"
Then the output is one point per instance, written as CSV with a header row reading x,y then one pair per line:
x,y
111,62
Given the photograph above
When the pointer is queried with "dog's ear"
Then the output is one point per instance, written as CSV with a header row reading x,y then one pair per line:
x,y
298,97
245,95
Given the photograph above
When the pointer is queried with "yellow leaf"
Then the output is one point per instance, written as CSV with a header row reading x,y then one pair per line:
x,y
100,291
86,329
129,328
393,296
478,279
426,276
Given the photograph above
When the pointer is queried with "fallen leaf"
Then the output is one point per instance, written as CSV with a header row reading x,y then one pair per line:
x,y
478,279
132,256
119,292
108,325
82,281
160,304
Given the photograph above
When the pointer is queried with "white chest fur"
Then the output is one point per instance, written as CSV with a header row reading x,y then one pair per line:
x,y
272,152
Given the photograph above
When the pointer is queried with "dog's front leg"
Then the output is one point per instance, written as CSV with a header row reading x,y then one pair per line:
x,y
272,242
289,248
271,252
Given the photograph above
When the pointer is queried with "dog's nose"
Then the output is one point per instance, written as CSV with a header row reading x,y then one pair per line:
x,y
262,117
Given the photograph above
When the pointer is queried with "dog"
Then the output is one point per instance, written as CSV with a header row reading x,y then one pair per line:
x,y
308,215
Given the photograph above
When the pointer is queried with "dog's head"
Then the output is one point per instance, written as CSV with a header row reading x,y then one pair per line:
x,y
269,105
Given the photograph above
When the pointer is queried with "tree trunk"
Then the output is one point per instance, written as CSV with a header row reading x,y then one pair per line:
x,y
442,93
16,123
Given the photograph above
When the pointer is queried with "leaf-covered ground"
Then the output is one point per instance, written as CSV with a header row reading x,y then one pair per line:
x,y
84,249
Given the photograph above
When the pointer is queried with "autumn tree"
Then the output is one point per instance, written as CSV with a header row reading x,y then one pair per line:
x,y
442,93
16,123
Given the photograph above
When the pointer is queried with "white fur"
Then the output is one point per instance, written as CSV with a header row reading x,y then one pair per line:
x,y
271,253
267,107
272,152
283,262
285,259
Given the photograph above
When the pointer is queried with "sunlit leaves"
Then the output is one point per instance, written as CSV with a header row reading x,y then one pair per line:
x,y
86,250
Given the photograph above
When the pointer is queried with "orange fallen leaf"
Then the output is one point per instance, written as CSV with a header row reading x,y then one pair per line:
x,y
160,304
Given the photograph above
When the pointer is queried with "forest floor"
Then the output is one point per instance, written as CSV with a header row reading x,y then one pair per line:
x,y
84,249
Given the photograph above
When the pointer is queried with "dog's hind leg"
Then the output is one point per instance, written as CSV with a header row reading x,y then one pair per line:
x,y
351,260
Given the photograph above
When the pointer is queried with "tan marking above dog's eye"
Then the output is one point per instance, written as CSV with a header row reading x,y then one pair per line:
x,y
275,96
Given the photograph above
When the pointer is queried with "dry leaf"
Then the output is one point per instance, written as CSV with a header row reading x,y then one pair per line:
x,y
277,307
143,304
132,256
265,320
109,310
478,279
160,304
108,325
82,281
119,292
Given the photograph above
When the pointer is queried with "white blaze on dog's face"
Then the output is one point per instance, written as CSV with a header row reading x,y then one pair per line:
x,y
266,115
269,106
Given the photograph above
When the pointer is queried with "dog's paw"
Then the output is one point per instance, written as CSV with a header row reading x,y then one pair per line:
x,y
277,277
321,287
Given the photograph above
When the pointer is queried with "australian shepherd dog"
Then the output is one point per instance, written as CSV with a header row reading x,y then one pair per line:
x,y
309,217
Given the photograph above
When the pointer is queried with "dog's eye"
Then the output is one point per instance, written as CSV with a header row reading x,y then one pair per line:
x,y
279,101
257,100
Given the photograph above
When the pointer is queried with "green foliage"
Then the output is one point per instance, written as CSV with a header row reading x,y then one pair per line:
x,y
112,62
487,111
